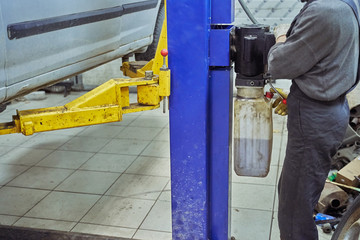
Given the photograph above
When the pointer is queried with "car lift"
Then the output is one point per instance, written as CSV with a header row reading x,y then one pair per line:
x,y
200,117
104,104
200,112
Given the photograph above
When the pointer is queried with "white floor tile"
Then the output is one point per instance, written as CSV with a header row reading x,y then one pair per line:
x,y
125,146
88,182
165,196
41,178
138,186
68,132
63,206
164,135
151,235
46,141
252,196
65,159
168,186
142,133
150,121
5,149
125,121
157,149
109,162
276,202
45,224
104,230
250,224
277,140
17,201
8,220
158,112
118,211
9,172
282,155
24,156
102,130
275,157
14,140
275,232
150,166
159,218
85,144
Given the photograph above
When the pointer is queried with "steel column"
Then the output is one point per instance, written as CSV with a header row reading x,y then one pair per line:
x,y
188,43
220,152
199,124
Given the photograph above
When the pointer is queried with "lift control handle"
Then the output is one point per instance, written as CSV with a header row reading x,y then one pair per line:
x,y
164,53
164,80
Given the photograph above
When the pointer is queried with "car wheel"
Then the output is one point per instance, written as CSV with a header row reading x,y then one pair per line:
x,y
349,226
151,50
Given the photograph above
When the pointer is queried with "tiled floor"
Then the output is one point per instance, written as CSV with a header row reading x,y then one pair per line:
x,y
114,179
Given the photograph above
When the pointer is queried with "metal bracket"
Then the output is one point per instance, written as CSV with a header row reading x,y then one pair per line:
x,y
104,104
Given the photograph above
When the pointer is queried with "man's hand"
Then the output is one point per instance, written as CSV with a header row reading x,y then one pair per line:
x,y
280,103
280,32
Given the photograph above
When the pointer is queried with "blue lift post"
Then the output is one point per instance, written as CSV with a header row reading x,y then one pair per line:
x,y
200,115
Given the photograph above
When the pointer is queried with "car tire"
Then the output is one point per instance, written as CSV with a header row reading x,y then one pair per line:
x,y
151,50
349,226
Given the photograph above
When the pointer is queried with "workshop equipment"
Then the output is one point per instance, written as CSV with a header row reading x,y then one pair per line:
x,y
331,197
201,106
253,128
200,109
106,103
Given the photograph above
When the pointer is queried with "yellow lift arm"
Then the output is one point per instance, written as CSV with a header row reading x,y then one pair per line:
x,y
104,104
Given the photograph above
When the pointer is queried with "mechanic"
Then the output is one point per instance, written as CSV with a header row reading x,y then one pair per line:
x,y
320,53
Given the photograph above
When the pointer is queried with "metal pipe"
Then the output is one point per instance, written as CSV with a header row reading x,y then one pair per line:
x,y
272,86
354,122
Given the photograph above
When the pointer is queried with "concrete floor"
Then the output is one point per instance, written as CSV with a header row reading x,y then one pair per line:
x,y
114,179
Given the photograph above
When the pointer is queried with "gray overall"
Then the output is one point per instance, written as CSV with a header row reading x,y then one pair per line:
x,y
321,56
316,130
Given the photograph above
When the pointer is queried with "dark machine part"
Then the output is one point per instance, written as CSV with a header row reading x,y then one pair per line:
x,y
345,155
350,147
331,197
252,45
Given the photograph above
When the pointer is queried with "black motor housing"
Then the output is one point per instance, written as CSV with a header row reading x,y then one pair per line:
x,y
252,45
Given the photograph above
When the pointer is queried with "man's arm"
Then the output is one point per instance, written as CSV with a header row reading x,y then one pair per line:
x,y
309,42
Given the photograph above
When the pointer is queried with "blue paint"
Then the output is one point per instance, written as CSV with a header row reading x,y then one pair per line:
x,y
188,44
220,152
222,11
199,119
219,46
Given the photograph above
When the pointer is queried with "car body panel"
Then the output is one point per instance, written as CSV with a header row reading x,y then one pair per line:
x,y
2,59
47,55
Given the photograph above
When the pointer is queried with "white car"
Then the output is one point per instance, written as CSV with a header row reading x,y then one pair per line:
x,y
44,41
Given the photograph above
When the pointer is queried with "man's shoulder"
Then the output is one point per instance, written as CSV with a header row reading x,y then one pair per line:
x,y
328,11
328,6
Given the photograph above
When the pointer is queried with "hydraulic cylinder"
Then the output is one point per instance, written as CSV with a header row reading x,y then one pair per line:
x,y
253,129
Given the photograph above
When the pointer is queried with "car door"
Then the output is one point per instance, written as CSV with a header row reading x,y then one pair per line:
x,y
2,59
51,39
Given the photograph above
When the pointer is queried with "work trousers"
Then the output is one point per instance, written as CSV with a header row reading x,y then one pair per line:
x,y
315,131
